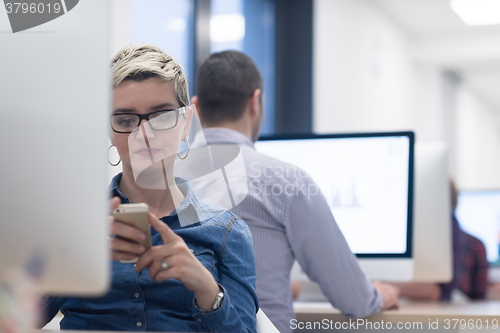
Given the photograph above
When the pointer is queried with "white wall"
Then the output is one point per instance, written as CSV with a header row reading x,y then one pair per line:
x,y
368,75
478,141
119,25
364,79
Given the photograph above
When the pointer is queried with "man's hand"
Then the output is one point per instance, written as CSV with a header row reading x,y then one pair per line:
x,y
389,294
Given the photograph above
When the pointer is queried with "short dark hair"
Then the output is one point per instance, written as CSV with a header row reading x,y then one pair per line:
x,y
224,83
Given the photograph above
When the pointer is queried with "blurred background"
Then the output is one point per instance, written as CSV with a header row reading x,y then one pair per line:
x,y
336,66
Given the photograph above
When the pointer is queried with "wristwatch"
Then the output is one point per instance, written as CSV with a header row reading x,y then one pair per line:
x,y
217,303
218,300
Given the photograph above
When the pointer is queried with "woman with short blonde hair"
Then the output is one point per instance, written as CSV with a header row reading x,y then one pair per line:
x,y
199,275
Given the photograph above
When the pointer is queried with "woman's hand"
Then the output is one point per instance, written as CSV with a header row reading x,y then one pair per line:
x,y
174,260
124,238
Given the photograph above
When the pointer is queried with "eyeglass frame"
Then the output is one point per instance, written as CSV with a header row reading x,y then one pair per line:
x,y
147,117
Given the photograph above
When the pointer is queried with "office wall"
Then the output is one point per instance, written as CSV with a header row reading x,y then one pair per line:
x,y
364,79
478,141
119,21
367,76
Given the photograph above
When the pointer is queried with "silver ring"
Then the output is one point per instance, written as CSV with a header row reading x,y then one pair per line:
x,y
164,264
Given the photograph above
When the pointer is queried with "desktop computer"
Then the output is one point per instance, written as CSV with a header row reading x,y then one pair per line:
x,y
55,104
478,213
432,230
367,180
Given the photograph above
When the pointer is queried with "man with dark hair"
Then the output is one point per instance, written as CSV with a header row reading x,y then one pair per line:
x,y
286,225
225,83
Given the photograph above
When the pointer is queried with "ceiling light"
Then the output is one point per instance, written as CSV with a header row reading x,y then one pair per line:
x,y
227,28
477,12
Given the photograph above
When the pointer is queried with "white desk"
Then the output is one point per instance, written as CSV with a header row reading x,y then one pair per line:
x,y
443,317
413,313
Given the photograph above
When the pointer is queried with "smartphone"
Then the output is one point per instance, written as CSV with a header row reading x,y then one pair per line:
x,y
135,214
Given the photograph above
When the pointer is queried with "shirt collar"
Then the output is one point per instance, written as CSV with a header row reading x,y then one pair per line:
x,y
221,135
187,210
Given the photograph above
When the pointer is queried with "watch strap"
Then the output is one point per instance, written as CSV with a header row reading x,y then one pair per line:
x,y
219,297
218,300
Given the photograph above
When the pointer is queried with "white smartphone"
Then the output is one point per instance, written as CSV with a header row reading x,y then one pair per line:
x,y
135,214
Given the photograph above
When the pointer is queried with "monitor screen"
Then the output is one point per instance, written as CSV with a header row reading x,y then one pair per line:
x,y
478,213
366,180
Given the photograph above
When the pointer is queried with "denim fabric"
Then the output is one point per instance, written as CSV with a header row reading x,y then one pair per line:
x,y
222,242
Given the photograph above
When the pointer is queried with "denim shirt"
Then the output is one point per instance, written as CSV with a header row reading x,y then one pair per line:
x,y
223,244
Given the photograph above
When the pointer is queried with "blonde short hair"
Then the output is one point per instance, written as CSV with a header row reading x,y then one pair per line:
x,y
143,61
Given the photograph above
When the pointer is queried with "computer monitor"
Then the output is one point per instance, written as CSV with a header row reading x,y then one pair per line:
x,y
432,230
478,213
55,103
367,179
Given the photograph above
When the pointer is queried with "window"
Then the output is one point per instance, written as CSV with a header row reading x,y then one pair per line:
x,y
244,25
248,26
167,24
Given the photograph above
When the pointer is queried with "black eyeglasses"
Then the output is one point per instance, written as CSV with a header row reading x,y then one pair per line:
x,y
159,120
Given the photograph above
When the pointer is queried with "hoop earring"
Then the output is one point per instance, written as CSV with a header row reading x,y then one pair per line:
x,y
187,151
108,157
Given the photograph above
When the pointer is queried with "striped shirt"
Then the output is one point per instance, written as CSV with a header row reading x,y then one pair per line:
x,y
291,220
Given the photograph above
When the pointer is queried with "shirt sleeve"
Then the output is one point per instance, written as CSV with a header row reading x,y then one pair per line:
x,y
236,276
323,253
